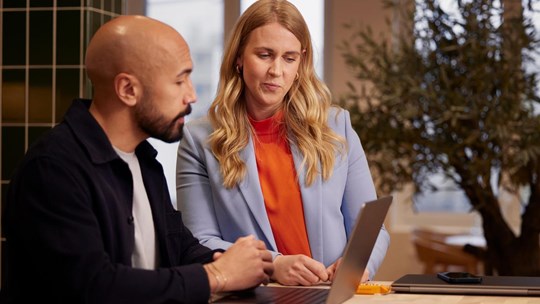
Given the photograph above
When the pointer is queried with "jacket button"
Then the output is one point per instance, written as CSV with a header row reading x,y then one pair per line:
x,y
130,220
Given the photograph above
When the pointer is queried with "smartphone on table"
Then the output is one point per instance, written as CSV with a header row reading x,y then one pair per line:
x,y
459,277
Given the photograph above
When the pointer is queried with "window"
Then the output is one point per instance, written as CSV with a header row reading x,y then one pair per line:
x,y
205,40
534,14
201,24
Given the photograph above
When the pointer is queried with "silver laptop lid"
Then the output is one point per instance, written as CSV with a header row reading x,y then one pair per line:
x,y
358,250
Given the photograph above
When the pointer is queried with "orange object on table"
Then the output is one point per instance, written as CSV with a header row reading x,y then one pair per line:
x,y
372,288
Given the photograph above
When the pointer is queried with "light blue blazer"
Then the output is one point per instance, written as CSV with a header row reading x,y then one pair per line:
x,y
218,216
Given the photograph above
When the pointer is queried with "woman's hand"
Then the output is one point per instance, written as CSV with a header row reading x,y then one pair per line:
x,y
298,270
331,270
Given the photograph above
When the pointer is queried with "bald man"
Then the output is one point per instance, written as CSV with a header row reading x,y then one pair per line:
x,y
88,217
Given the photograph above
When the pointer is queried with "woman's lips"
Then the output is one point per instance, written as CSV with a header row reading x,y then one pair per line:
x,y
271,86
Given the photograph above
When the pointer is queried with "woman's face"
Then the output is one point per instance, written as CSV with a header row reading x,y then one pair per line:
x,y
270,62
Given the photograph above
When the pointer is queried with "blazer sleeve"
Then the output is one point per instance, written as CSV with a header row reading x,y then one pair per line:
x,y
193,188
360,188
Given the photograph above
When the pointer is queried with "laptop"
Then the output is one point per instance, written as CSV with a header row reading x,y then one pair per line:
x,y
490,285
347,277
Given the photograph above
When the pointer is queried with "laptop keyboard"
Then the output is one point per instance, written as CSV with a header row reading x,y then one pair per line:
x,y
297,295
278,295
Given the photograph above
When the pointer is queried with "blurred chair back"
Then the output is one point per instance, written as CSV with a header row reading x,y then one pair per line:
x,y
436,255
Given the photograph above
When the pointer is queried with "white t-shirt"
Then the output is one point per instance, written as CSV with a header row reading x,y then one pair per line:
x,y
145,253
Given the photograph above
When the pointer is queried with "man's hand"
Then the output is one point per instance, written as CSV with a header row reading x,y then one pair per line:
x,y
298,270
245,264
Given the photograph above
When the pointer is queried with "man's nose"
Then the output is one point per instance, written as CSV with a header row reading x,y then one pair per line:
x,y
191,96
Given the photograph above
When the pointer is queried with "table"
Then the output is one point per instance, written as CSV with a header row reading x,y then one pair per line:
x,y
464,239
393,297
399,298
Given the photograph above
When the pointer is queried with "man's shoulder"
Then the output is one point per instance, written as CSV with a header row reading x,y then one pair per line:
x,y
59,147
56,148
57,142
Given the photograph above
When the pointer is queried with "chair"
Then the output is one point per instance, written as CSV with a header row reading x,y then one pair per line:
x,y
437,256
430,235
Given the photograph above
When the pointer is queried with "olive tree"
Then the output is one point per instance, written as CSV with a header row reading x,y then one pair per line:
x,y
455,96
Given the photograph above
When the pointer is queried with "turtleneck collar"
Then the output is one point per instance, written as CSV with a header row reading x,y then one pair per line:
x,y
268,126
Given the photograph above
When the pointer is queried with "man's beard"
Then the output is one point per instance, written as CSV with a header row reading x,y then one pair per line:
x,y
155,124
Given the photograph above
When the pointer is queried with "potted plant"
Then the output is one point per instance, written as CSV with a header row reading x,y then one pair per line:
x,y
454,97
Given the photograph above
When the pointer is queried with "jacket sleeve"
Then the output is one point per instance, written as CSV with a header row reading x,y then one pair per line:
x,y
55,237
194,192
360,188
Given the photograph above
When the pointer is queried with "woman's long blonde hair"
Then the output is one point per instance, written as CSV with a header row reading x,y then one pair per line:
x,y
305,109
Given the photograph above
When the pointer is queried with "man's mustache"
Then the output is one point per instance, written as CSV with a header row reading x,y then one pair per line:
x,y
182,114
186,112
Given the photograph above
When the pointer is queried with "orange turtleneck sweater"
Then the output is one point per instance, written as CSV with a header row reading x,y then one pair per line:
x,y
279,184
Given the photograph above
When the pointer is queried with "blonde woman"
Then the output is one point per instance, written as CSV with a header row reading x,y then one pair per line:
x,y
274,158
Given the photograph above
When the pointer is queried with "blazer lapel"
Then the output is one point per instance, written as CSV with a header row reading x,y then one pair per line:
x,y
312,203
250,188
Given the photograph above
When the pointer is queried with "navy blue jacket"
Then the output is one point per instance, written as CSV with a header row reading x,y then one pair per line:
x,y
69,226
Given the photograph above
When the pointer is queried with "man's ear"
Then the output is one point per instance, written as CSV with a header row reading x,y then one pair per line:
x,y
127,88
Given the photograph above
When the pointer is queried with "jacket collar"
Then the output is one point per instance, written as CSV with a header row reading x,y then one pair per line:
x,y
93,138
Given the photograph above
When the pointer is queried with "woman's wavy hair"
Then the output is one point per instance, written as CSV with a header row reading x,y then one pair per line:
x,y
305,108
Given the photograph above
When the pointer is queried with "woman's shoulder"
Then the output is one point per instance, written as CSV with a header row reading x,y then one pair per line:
x,y
199,126
338,117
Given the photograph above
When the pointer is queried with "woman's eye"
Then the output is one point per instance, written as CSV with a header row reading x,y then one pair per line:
x,y
290,59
